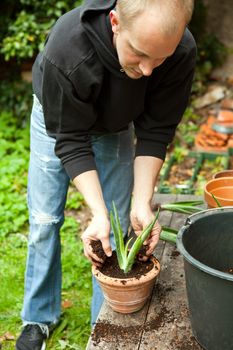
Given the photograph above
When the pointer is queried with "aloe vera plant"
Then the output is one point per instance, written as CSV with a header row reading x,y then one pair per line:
x,y
169,234
217,202
125,256
185,207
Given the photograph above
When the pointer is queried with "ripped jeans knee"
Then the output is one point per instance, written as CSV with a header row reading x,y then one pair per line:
x,y
44,227
42,218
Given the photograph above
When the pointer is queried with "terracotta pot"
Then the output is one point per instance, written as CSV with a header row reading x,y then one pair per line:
x,y
223,173
130,294
222,189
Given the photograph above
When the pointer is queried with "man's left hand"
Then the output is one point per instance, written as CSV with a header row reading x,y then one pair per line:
x,y
140,220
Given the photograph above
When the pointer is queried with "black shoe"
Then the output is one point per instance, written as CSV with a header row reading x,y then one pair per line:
x,y
32,338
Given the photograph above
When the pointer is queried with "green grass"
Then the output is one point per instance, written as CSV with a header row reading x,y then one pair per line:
x,y
14,155
74,328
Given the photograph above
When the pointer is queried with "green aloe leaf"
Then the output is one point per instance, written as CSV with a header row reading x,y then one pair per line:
x,y
125,256
185,207
168,234
118,241
216,200
138,243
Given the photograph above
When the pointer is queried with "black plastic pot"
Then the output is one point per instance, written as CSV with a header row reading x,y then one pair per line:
x,y
206,243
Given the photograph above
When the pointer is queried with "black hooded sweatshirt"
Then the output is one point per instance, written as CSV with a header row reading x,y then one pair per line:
x,y
79,82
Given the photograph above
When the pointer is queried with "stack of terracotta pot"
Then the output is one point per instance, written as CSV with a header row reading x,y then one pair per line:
x,y
221,187
216,135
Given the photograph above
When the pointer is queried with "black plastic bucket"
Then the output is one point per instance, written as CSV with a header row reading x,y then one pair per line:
x,y
206,243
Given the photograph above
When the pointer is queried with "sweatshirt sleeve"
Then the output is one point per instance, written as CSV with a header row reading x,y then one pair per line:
x,y
68,104
167,99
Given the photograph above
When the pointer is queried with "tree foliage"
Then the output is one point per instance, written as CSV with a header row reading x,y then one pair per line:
x,y
26,24
211,52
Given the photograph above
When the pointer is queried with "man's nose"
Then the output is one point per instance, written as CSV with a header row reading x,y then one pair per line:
x,y
146,67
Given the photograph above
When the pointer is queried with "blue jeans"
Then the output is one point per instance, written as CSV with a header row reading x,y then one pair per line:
x,y
47,190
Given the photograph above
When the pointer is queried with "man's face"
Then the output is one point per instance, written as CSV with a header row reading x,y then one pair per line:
x,y
142,47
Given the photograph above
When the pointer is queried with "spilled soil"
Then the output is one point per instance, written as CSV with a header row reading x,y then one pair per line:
x,y
107,332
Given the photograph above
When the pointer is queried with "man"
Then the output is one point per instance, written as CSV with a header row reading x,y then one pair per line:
x,y
107,70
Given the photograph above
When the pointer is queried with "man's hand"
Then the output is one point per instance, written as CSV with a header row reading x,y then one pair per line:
x,y
139,220
98,229
146,170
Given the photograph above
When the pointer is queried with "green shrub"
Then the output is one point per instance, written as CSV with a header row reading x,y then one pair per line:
x,y
25,37
27,22
16,99
211,52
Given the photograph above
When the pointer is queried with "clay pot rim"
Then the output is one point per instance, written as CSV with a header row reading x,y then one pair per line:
x,y
219,182
218,174
132,280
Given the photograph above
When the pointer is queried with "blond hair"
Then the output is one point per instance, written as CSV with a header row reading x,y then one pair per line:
x,y
170,12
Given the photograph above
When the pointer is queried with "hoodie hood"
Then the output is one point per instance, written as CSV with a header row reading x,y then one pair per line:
x,y
96,22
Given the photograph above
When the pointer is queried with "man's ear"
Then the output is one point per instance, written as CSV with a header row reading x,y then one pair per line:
x,y
114,19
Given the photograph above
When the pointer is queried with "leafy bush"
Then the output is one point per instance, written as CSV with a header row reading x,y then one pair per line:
x,y
187,129
25,37
211,52
16,99
28,22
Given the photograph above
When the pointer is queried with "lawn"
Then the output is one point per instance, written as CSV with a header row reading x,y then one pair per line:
x,y
74,328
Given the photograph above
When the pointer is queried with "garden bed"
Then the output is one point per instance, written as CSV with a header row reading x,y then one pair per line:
x,y
186,173
210,165
179,173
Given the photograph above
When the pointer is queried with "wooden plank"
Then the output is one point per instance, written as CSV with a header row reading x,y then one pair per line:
x,y
167,326
116,331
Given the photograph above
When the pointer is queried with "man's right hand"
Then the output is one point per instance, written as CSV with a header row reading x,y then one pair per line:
x,y
98,229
